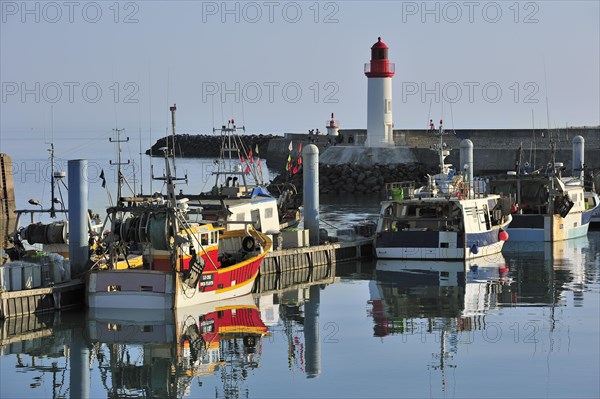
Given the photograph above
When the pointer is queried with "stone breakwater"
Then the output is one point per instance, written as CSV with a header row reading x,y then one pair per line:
x,y
357,179
209,145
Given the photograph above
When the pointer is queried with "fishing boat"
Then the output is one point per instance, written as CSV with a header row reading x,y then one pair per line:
x,y
449,218
160,254
547,206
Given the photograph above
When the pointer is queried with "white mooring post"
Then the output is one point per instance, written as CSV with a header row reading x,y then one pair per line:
x,y
310,153
466,159
578,156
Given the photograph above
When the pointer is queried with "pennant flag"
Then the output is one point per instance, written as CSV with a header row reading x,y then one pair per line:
x,y
300,148
256,149
299,160
295,170
103,178
258,162
242,160
250,157
290,158
290,146
247,170
287,166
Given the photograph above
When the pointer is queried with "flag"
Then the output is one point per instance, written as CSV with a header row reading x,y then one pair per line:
x,y
250,157
289,158
299,160
300,148
256,149
258,162
247,170
103,178
242,160
295,170
290,146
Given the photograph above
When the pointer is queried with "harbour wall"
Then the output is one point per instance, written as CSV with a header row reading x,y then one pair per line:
x,y
495,150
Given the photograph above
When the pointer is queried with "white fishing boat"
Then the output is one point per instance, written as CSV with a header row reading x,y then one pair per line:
x,y
547,206
449,218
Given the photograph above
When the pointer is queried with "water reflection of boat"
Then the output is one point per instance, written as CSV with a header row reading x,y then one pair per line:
x,y
160,356
404,290
561,265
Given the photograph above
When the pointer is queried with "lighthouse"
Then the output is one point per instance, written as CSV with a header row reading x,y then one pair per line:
x,y
332,126
379,72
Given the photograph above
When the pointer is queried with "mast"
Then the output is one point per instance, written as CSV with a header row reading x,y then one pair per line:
x,y
52,181
170,177
120,178
229,147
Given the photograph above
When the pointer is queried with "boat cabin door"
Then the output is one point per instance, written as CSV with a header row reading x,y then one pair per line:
x,y
255,217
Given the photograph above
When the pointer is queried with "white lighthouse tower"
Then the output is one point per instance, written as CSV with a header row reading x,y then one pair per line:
x,y
379,71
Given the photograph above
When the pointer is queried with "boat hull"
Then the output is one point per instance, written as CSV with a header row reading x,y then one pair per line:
x,y
440,245
439,253
546,228
149,289
167,289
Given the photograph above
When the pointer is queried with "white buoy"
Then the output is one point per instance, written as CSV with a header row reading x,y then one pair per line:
x,y
466,159
379,71
578,156
78,216
310,153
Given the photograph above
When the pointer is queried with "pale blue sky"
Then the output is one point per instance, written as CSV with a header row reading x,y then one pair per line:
x,y
181,51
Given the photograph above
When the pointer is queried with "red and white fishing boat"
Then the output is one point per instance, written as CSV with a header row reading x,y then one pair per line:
x,y
158,256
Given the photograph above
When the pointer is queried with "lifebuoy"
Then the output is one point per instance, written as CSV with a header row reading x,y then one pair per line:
x,y
248,243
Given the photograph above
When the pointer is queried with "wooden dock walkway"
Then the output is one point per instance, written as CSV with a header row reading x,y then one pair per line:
x,y
307,257
62,296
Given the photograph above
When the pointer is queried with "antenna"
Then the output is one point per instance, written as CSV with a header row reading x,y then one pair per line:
x,y
533,146
547,107
150,117
141,159
52,208
173,109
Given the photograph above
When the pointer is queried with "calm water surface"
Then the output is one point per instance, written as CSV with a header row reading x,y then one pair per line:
x,y
521,324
